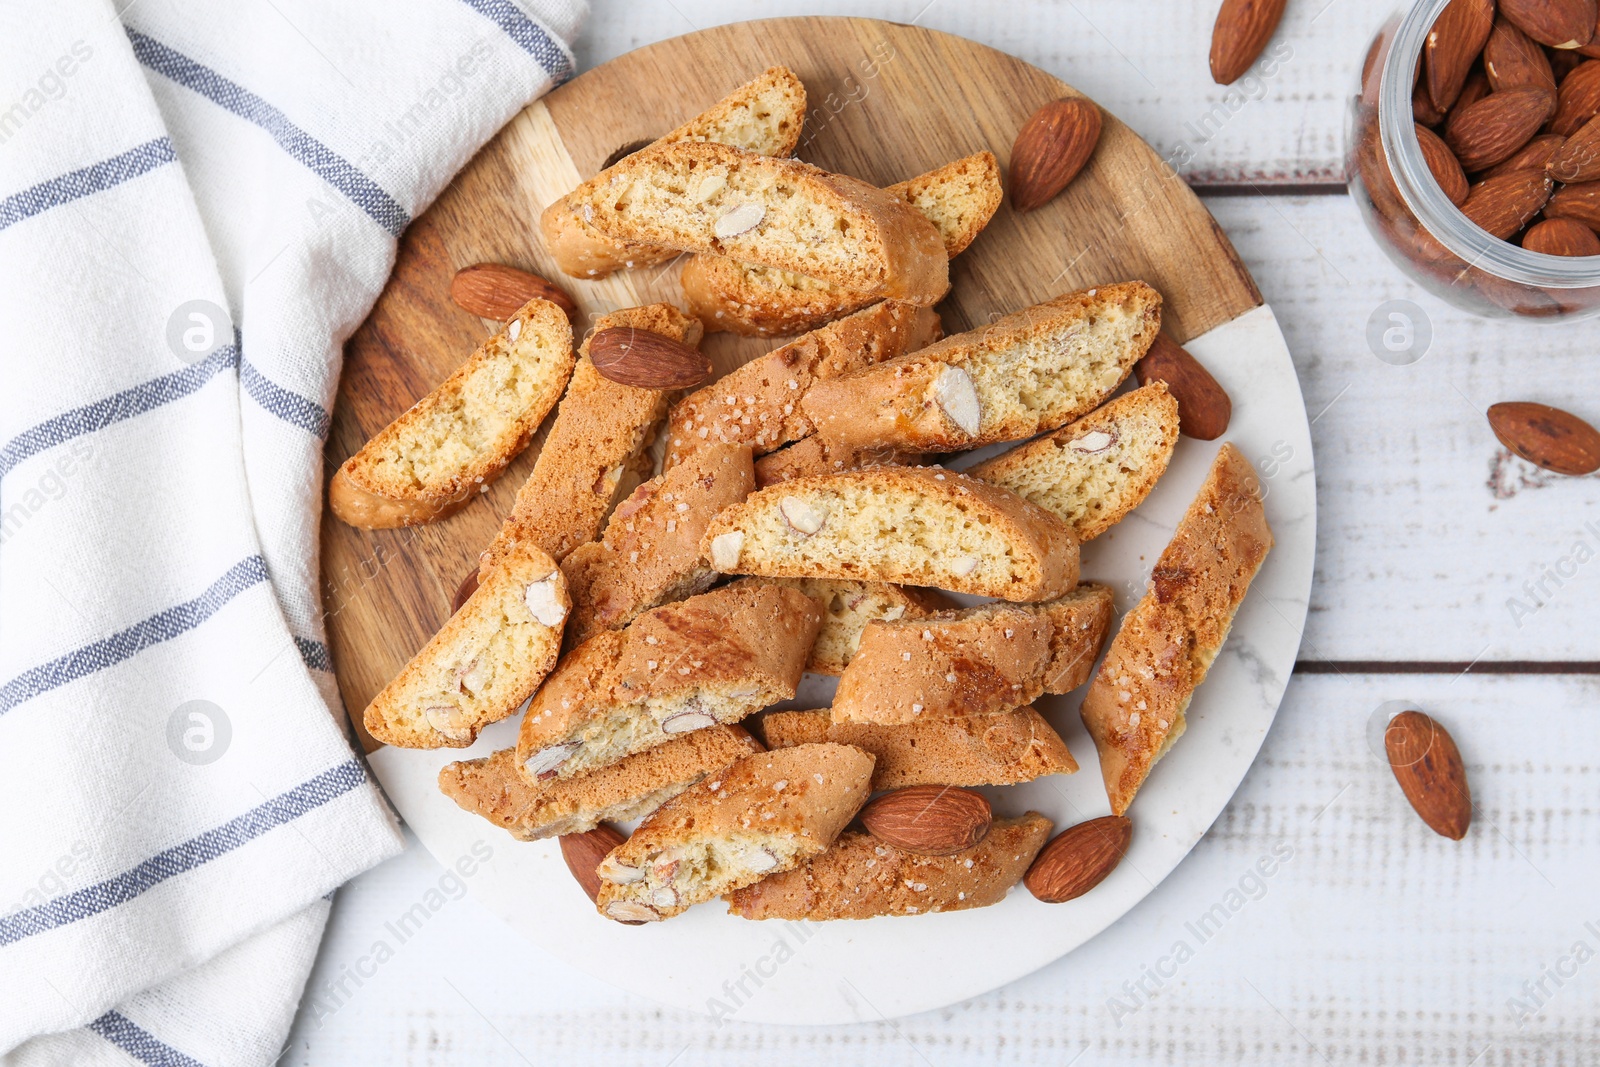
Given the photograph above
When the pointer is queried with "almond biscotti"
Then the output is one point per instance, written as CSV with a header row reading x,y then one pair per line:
x,y
1032,371
708,197
861,877
847,607
435,459
714,658
630,789
1005,748
482,664
759,404
650,553
601,430
812,455
1135,706
972,661
1094,471
907,525
959,198
763,116
765,814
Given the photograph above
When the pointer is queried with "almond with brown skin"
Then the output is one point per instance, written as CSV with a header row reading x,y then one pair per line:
x,y
1564,61
1079,858
495,291
1557,23
1476,89
1578,99
1444,165
1502,205
1422,109
1578,159
934,820
647,360
1579,201
1452,46
1561,237
1547,437
1051,149
468,586
1204,408
583,853
1491,130
1531,156
1513,60
1242,30
1428,767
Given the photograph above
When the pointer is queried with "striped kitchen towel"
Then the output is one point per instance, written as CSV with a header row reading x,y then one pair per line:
x,y
198,203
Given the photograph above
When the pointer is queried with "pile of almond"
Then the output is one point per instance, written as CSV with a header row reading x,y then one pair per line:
x,y
1505,103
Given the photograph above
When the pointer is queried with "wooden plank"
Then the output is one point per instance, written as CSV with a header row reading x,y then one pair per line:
x,y
1427,528
887,102
1376,940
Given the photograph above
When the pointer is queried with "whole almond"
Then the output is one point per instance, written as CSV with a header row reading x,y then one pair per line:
x,y
1578,159
1531,156
647,360
1564,61
1578,99
1452,46
1513,60
1561,237
1502,205
1444,165
1579,201
583,853
1547,437
1051,149
1492,129
1079,858
464,591
1557,23
1204,408
495,291
1428,767
934,820
1476,89
1422,109
1242,30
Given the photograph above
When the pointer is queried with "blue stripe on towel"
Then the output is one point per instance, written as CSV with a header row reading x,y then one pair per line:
x,y
124,405
136,638
300,145
140,1043
91,179
528,34
276,400
179,859
314,654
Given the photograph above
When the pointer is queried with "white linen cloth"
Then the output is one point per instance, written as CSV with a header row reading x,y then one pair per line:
x,y
198,203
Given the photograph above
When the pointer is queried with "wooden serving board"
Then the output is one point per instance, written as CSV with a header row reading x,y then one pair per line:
x,y
886,102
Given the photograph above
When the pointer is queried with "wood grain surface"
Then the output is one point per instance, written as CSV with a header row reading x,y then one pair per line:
x,y
886,102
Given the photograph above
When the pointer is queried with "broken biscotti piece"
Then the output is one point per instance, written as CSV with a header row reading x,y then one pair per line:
x,y
1094,471
602,432
907,525
716,657
973,661
861,877
1030,372
1135,707
847,607
629,789
763,116
759,404
448,446
1005,748
707,197
959,198
764,814
482,664
650,553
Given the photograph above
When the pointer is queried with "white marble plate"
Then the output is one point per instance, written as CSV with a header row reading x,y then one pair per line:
x,y
708,961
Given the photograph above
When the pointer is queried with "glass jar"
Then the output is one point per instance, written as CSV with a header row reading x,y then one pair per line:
x,y
1414,221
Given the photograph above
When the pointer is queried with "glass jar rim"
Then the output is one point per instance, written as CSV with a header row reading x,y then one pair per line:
x,y
1422,194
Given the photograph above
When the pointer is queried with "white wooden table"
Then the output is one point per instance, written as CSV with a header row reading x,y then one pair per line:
x,y
1375,941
